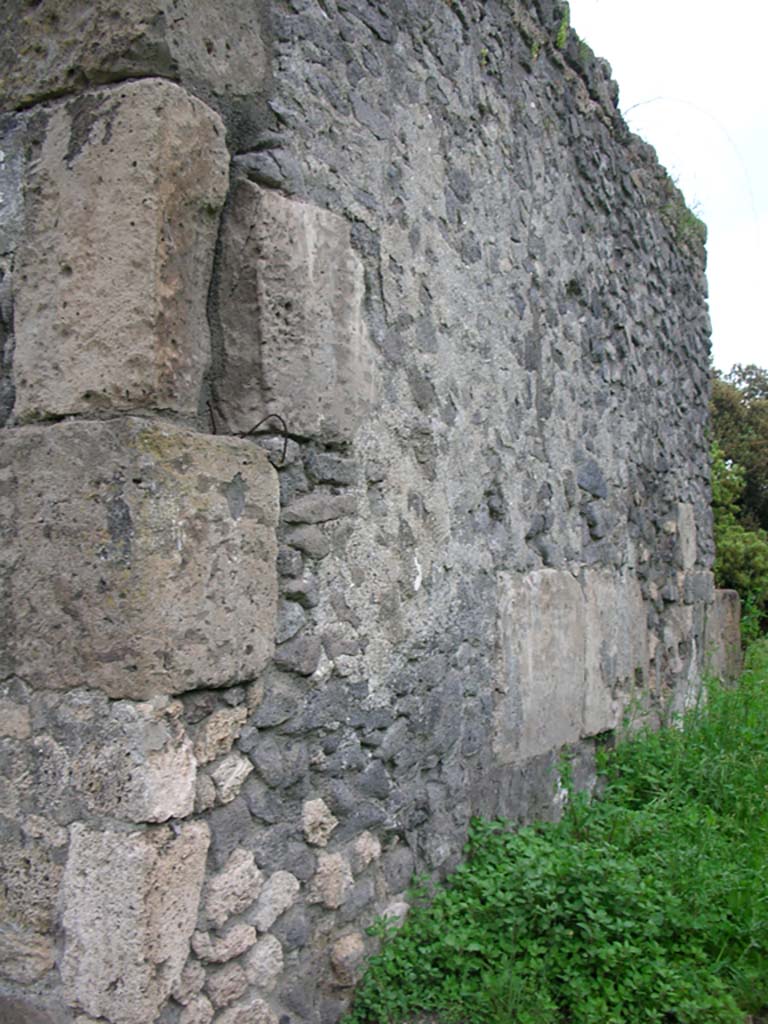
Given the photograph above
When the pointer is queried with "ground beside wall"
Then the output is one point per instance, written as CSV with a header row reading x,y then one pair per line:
x,y
252,682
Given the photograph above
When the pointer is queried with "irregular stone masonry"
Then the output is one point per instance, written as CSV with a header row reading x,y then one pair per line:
x,y
251,683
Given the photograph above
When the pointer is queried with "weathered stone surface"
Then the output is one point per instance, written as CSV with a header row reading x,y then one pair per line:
x,y
190,983
118,248
33,1010
542,689
264,963
232,889
318,822
55,47
301,654
29,867
686,531
722,637
229,774
129,907
276,897
347,955
573,653
294,338
320,508
141,767
332,881
218,732
142,557
198,1010
24,955
11,181
254,1011
14,719
226,984
217,949
616,648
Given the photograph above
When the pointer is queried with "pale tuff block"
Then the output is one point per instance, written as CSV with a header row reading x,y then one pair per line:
x,y
112,274
140,559
141,768
573,652
291,315
234,888
543,658
616,641
722,637
129,907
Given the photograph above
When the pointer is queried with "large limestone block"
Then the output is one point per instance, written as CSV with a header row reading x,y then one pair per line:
x,y
722,637
616,644
574,653
121,216
543,655
129,906
139,559
291,315
57,46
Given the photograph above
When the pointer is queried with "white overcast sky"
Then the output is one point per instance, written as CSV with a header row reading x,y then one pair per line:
x,y
693,81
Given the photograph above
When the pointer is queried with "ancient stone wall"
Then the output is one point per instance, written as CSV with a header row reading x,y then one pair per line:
x,y
250,684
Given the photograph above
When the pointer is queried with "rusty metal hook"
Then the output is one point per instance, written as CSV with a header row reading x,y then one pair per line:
x,y
283,428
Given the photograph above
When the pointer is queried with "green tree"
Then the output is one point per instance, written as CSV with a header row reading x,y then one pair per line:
x,y
741,561
740,428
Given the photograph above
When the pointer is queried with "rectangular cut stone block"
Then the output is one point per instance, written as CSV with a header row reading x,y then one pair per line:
x,y
722,637
139,559
111,281
141,767
57,46
572,653
129,908
543,656
290,306
616,643
686,531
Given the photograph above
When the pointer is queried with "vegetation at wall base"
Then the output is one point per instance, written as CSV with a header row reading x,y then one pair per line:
x,y
647,905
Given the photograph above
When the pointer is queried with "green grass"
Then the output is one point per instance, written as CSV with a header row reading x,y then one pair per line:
x,y
649,905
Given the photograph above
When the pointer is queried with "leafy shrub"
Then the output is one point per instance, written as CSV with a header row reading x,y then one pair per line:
x,y
741,561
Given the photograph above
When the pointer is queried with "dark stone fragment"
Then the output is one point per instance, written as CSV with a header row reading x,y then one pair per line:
x,y
290,619
303,591
279,848
230,827
374,120
363,893
590,478
264,803
319,507
275,168
292,929
309,539
366,816
300,655
398,866
324,468
289,562
280,761
374,781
